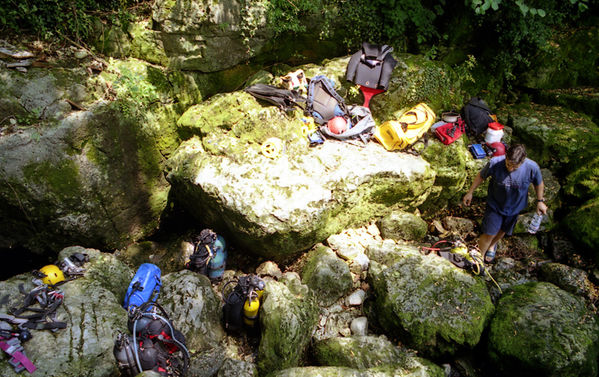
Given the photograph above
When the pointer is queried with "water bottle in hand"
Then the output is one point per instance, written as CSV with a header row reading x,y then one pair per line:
x,y
535,223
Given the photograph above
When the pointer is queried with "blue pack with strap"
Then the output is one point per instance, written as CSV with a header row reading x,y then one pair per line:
x,y
144,286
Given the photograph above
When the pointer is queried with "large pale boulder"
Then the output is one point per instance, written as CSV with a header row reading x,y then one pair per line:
x,y
543,330
432,305
277,206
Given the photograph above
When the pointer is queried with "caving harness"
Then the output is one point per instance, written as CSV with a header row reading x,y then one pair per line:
x,y
242,302
39,308
154,344
458,254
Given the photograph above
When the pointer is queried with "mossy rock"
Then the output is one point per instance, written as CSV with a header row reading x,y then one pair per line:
x,y
582,223
433,305
570,279
288,317
580,99
417,79
556,138
539,329
364,352
327,275
317,372
399,225
450,164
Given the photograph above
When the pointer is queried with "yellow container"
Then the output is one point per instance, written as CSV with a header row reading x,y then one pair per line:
x,y
250,310
405,131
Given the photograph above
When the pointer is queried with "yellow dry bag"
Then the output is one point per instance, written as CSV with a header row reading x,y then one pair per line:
x,y
405,131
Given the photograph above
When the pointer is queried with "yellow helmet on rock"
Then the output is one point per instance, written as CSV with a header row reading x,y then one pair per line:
x,y
53,274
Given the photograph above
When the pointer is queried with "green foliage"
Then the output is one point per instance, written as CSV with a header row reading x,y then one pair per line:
x,y
286,15
57,18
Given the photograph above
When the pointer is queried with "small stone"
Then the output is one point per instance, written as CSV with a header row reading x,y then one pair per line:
x,y
362,260
356,298
345,331
269,269
349,253
359,326
80,54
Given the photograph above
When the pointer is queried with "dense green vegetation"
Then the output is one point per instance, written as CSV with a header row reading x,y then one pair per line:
x,y
503,35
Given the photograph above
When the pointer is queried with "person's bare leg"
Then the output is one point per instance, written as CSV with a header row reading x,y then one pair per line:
x,y
485,241
496,239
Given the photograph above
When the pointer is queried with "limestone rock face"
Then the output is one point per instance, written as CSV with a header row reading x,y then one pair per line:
x,y
438,307
210,36
193,307
541,329
86,174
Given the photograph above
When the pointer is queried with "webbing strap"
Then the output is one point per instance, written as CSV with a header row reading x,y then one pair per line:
x,y
17,355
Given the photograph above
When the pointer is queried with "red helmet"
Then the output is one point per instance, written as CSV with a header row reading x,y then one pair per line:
x,y
499,148
337,125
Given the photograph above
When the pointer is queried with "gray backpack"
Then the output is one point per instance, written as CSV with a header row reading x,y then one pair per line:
x,y
362,125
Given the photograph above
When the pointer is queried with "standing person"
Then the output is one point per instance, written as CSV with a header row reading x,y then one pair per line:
x,y
511,175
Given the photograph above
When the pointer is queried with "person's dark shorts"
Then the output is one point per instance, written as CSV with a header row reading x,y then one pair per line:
x,y
493,222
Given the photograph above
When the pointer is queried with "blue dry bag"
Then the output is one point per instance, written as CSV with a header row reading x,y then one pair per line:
x,y
144,287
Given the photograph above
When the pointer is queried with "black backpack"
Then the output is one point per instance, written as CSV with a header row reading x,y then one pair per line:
x,y
371,66
323,102
285,99
477,115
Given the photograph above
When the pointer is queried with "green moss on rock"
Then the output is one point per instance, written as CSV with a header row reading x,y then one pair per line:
x,y
539,329
366,352
326,274
287,318
582,223
62,179
437,307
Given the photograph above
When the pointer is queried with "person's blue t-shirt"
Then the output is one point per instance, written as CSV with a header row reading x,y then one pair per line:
x,y
508,192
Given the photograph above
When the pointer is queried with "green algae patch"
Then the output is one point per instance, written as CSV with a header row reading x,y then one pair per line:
x,y
62,179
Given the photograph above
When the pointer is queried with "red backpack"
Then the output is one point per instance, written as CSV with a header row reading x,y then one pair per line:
x,y
450,132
